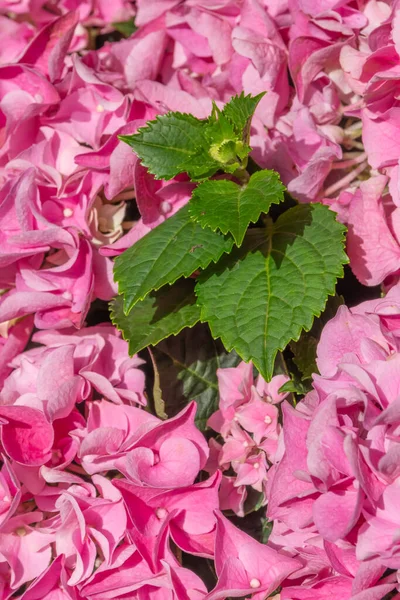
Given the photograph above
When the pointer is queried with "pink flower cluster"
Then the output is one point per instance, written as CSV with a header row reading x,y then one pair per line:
x,y
65,176
330,72
334,494
98,498
32,14
247,421
93,488
370,68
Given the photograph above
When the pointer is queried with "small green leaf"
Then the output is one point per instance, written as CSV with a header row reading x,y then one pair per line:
x,y
224,205
174,249
293,386
220,130
180,143
158,316
187,367
225,144
262,295
171,144
305,351
127,28
239,112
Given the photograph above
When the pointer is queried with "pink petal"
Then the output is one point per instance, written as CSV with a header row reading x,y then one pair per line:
x,y
48,49
178,466
335,513
28,436
374,253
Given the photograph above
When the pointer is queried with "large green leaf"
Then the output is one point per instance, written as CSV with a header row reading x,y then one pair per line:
x,y
187,368
161,314
174,249
224,205
262,295
171,144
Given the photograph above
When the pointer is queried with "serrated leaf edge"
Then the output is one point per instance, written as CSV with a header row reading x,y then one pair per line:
x,y
155,289
131,351
306,328
150,126
227,230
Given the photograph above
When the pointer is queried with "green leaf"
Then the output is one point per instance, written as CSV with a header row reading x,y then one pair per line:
x,y
127,28
224,205
180,143
239,112
219,129
171,144
262,295
294,387
225,144
158,316
305,352
187,367
174,249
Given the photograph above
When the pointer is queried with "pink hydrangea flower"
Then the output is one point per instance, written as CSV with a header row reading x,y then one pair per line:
x,y
72,417
25,550
247,419
338,477
244,566
187,512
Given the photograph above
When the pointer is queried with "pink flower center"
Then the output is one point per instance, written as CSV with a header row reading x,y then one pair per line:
x,y
55,456
165,207
268,420
161,513
21,531
255,583
256,465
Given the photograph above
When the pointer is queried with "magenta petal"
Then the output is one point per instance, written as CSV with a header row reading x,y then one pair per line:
x,y
373,251
28,436
327,589
48,49
335,513
232,582
285,484
178,465
376,593
56,383
48,582
16,341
